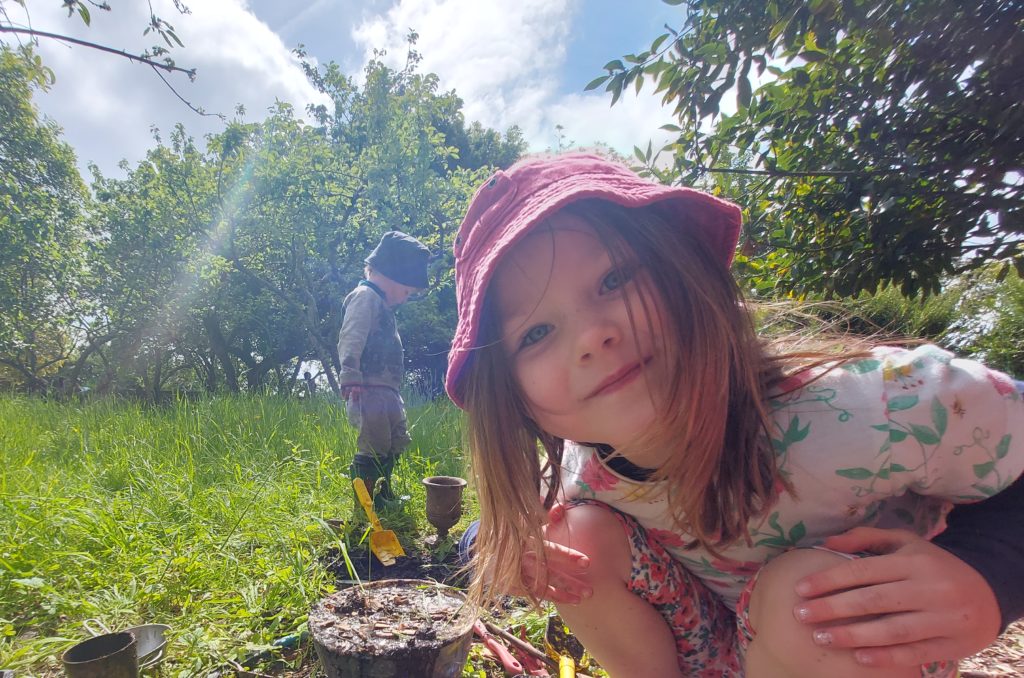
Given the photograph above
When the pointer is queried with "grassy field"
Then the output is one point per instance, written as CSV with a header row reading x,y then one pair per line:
x,y
207,516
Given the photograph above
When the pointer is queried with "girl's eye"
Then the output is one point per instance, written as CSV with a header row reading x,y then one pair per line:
x,y
615,280
534,334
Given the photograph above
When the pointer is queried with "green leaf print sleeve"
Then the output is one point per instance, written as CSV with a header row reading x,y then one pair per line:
x,y
956,428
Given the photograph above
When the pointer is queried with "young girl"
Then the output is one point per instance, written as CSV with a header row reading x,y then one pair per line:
x,y
712,505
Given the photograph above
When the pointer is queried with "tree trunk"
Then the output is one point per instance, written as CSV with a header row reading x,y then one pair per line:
x,y
211,323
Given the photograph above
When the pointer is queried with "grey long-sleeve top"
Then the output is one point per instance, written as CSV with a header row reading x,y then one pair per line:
x,y
369,346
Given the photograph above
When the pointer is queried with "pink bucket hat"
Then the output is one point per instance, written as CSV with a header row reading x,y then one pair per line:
x,y
512,202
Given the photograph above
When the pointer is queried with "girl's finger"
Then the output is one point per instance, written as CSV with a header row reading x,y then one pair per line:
x,y
556,595
561,591
900,596
860,572
556,513
562,580
886,630
565,559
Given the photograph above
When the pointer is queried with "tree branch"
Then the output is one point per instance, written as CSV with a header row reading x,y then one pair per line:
x,y
814,173
170,68
183,100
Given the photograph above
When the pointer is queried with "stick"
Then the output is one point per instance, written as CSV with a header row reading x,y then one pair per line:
x,y
526,647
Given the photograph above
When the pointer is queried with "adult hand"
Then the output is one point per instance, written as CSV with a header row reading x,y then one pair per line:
x,y
911,604
351,393
565,580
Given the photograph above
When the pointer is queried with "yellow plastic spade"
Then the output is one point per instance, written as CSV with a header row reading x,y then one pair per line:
x,y
383,543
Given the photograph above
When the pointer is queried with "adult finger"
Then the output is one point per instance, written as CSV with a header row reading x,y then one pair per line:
x,y
899,596
883,631
911,654
869,539
868,571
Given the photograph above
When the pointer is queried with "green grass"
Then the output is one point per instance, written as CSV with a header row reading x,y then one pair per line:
x,y
206,516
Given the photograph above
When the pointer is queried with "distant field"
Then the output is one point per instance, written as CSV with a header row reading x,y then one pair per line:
x,y
202,515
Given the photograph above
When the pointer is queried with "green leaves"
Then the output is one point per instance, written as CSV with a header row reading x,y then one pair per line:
x,y
855,473
902,403
861,473
858,154
862,366
982,470
1003,447
793,434
42,239
780,538
925,435
743,92
813,56
940,417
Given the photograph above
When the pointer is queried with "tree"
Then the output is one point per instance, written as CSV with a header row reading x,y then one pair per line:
x,y
888,136
41,233
145,269
227,267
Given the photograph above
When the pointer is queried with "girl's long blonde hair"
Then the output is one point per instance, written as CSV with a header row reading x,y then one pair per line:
x,y
716,411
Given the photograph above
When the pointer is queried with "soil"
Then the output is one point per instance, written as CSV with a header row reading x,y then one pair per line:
x,y
388,619
440,565
1005,657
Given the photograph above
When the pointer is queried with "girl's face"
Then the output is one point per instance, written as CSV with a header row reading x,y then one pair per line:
x,y
588,373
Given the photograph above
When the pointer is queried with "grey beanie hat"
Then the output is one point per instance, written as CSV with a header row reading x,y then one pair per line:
x,y
402,258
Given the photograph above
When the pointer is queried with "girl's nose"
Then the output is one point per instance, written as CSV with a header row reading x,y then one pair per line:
x,y
596,334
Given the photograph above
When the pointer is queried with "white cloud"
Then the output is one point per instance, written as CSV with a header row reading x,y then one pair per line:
x,y
107,104
633,121
503,58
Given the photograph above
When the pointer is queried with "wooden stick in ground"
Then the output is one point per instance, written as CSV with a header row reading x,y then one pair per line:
x,y
526,647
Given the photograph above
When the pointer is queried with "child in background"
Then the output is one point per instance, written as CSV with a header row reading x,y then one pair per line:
x,y
714,504
373,359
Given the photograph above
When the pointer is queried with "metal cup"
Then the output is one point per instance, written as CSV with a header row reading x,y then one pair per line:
x,y
111,655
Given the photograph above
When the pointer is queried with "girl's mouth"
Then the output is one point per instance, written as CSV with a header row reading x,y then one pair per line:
x,y
619,379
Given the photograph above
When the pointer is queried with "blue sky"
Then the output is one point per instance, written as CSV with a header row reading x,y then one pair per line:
x,y
523,62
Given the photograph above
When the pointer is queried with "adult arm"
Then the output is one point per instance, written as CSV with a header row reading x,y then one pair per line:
x,y
947,598
989,536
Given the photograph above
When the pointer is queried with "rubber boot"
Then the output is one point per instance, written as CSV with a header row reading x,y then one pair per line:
x,y
367,469
385,491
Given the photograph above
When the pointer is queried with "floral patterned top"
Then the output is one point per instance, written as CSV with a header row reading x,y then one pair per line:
x,y
892,440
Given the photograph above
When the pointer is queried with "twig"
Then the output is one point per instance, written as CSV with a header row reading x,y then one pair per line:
x,y
525,647
183,100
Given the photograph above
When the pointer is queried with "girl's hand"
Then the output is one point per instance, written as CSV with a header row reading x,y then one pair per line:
x,y
566,577
912,604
